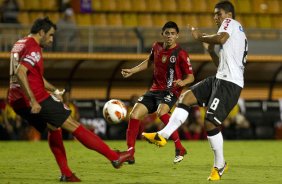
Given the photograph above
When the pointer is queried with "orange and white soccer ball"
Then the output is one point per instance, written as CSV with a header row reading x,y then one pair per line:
x,y
114,111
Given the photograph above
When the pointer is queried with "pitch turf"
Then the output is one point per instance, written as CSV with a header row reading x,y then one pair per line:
x,y
250,162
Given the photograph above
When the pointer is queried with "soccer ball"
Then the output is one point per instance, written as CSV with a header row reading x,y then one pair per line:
x,y
114,111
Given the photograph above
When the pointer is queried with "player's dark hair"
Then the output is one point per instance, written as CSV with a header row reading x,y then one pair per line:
x,y
170,24
227,6
44,24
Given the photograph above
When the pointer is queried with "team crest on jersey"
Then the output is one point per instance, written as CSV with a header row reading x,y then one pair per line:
x,y
164,59
172,59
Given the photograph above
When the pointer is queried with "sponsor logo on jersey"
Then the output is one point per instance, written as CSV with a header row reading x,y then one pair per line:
x,y
170,79
33,58
164,59
36,56
17,47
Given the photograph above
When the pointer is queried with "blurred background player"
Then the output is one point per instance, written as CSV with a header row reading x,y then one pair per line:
x,y
172,71
219,93
30,97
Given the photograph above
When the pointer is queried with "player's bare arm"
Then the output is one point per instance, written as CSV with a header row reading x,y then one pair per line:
x,y
53,89
142,66
211,51
21,74
219,38
187,80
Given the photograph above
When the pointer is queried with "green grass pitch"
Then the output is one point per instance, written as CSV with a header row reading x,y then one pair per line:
x,y
250,162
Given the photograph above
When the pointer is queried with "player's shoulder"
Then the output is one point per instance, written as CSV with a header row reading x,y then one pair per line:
x,y
157,44
182,51
229,21
19,45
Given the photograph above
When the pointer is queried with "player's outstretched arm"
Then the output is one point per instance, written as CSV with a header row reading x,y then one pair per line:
x,y
142,66
219,38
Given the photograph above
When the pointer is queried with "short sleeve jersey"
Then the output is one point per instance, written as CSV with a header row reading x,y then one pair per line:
x,y
233,53
27,52
161,58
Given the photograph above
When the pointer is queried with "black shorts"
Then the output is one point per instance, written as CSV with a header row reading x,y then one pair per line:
x,y
52,111
152,99
219,96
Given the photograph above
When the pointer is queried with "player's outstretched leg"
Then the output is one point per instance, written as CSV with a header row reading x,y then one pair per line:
x,y
131,136
177,118
180,151
56,144
93,142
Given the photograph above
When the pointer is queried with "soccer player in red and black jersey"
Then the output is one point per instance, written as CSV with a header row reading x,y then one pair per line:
x,y
40,103
172,71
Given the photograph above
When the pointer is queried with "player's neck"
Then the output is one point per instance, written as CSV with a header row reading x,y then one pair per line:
x,y
35,37
167,47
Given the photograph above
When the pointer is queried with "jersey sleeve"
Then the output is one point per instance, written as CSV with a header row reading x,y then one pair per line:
x,y
30,55
226,26
184,62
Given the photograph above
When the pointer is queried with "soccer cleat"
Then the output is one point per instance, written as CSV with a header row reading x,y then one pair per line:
x,y
72,178
155,138
123,157
179,155
216,173
131,160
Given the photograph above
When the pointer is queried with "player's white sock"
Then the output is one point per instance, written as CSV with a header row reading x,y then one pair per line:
x,y
216,143
177,118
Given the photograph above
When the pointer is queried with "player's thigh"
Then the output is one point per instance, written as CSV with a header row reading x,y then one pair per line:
x,y
163,109
139,111
224,97
201,91
188,98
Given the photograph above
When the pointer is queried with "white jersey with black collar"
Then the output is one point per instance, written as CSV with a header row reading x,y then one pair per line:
x,y
233,53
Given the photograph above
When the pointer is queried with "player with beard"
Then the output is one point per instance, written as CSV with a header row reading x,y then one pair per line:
x,y
40,103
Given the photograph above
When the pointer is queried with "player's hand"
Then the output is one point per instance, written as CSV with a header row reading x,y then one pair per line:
x,y
195,32
179,83
35,107
59,94
126,72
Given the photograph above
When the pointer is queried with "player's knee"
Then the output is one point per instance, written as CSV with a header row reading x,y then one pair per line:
x,y
133,115
213,132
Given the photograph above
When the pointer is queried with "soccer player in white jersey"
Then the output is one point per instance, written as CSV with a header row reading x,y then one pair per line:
x,y
219,93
